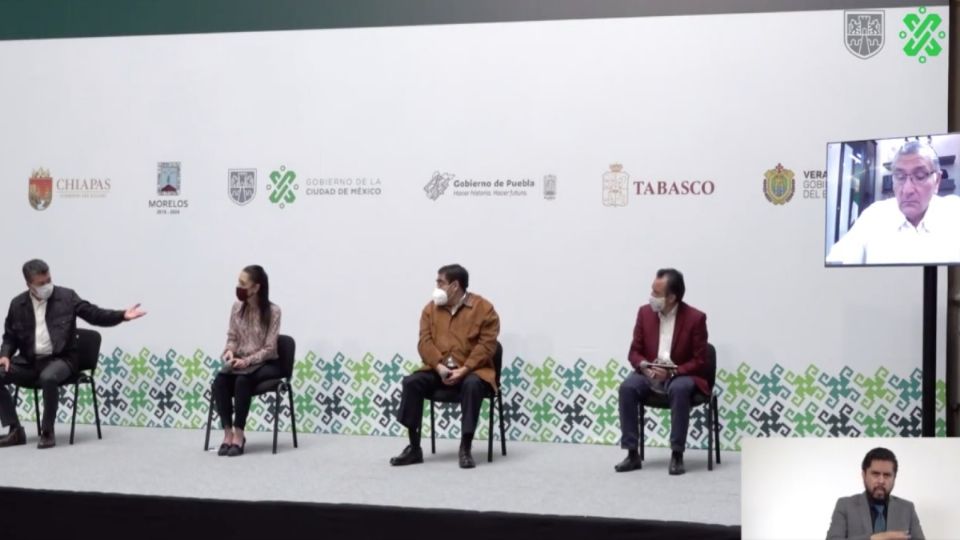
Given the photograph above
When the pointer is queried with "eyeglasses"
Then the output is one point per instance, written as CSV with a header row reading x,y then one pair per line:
x,y
918,177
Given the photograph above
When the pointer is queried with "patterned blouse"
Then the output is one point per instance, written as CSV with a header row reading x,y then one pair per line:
x,y
246,337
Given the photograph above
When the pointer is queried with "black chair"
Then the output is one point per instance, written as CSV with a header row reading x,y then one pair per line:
x,y
286,349
452,395
659,401
88,353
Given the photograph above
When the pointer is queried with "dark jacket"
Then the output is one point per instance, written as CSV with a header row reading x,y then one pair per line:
x,y
63,308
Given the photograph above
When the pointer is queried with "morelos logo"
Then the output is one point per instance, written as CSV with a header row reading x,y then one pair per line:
x,y
168,189
863,32
283,187
168,178
40,191
779,185
920,32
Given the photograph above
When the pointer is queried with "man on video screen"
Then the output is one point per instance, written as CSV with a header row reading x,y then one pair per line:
x,y
915,227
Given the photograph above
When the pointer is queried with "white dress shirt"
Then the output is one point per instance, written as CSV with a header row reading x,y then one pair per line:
x,y
667,322
882,235
44,347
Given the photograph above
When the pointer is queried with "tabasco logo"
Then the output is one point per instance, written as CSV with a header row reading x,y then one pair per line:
x,y
40,191
615,186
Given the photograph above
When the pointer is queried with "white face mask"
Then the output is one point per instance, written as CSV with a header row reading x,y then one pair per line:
x,y
439,297
657,304
44,291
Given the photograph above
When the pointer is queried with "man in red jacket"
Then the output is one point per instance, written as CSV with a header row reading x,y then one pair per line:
x,y
672,334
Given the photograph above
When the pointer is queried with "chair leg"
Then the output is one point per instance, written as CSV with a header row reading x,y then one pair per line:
x,y
709,436
36,409
433,431
96,406
293,414
490,432
643,428
503,429
716,425
276,417
73,417
206,438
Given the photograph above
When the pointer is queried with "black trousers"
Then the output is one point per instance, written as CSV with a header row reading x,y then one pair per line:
x,y
48,373
231,390
417,386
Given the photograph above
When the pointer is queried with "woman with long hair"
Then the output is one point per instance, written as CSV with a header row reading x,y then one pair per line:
x,y
248,357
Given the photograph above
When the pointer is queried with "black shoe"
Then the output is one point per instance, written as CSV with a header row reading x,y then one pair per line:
x,y
676,464
47,440
630,463
237,449
16,437
466,460
224,448
409,456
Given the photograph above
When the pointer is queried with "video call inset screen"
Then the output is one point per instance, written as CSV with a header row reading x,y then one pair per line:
x,y
893,201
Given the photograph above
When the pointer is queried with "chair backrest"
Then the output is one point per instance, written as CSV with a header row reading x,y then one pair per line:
x,y
498,361
286,349
88,348
711,365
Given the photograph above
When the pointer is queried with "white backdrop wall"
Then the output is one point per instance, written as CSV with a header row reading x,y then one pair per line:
x,y
802,350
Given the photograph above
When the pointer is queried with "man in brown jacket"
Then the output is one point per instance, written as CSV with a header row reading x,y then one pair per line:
x,y
458,336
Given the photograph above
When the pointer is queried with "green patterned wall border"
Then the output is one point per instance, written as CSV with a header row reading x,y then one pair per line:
x,y
544,402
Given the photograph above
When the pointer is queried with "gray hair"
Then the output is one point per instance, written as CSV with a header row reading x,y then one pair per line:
x,y
34,267
918,148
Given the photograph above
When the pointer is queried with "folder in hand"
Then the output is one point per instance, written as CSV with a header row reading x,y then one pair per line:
x,y
663,363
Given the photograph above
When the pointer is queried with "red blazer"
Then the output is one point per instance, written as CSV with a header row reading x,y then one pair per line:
x,y
689,347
